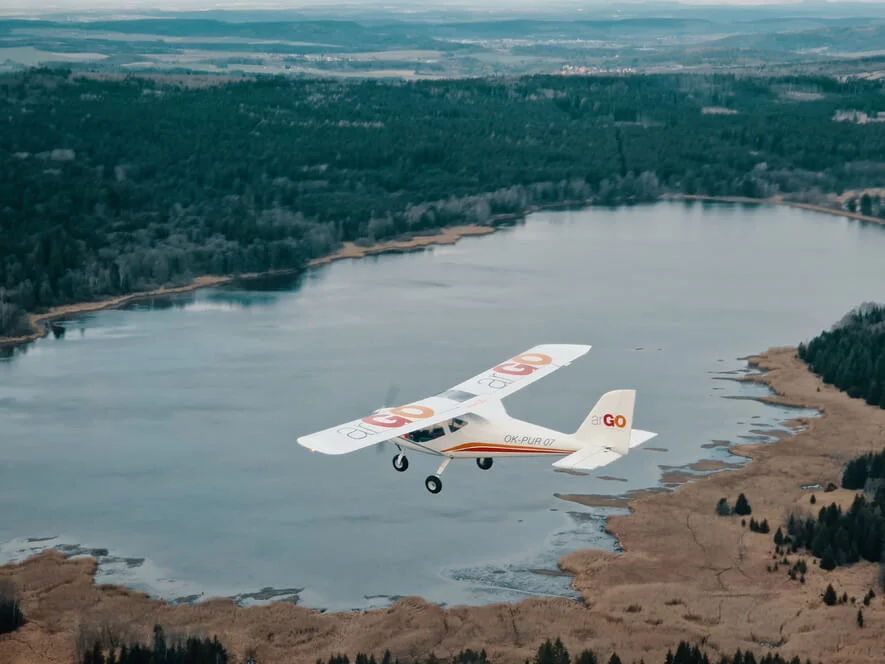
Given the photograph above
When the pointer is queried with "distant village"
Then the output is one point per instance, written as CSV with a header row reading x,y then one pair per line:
x,y
582,70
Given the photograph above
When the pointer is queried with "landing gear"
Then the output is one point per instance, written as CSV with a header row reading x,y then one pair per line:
x,y
433,483
484,463
400,462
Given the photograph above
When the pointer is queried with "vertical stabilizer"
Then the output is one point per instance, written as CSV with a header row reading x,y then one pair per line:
x,y
610,422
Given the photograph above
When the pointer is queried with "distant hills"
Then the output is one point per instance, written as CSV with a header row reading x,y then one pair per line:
x,y
362,41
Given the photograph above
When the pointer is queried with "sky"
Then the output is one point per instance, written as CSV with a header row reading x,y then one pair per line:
x,y
68,5
34,8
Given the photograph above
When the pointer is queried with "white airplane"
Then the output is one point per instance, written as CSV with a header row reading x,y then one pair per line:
x,y
469,421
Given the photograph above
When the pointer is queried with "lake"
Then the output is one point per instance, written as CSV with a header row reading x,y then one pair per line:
x,y
162,436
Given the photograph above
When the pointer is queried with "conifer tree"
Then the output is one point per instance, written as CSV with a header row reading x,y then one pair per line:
x,y
552,652
587,657
830,598
742,506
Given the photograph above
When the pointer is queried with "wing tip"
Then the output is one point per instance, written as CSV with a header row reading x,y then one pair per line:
x,y
566,352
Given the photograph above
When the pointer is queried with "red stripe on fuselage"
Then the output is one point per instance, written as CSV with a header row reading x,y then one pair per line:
x,y
492,448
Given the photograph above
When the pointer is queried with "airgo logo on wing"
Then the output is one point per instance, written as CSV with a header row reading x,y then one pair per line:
x,y
399,417
396,417
610,420
522,365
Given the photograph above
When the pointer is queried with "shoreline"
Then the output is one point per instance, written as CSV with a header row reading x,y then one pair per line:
x,y
350,250
683,573
775,200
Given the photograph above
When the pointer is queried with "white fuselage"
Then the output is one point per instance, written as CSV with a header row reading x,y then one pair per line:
x,y
492,434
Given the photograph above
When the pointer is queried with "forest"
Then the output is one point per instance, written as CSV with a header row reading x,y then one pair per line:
x,y
117,185
192,650
11,617
851,355
206,651
864,469
841,538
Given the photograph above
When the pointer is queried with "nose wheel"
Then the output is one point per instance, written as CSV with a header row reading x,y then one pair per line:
x,y
484,463
433,483
400,462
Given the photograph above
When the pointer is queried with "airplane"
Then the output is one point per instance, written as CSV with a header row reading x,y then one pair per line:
x,y
469,421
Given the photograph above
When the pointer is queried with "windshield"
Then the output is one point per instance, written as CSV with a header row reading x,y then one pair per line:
x,y
436,430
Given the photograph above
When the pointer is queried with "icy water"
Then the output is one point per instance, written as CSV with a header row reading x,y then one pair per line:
x,y
162,437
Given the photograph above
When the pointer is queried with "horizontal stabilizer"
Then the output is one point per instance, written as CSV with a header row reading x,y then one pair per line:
x,y
587,458
638,436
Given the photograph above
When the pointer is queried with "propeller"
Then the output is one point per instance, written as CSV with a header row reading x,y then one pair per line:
x,y
392,391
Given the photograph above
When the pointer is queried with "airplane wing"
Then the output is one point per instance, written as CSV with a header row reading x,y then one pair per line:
x,y
521,370
385,424
587,459
503,379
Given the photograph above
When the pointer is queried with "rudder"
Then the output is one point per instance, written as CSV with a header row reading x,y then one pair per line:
x,y
610,422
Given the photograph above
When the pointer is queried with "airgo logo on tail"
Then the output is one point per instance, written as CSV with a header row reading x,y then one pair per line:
x,y
610,420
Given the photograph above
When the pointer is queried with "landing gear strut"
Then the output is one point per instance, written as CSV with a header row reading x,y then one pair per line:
x,y
485,463
433,483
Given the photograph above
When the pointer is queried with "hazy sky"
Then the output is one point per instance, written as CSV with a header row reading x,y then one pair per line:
x,y
67,5
35,7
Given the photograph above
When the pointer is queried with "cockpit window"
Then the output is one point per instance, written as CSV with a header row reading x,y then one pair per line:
x,y
456,424
435,431
425,435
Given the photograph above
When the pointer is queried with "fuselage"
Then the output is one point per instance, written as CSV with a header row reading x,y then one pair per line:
x,y
488,435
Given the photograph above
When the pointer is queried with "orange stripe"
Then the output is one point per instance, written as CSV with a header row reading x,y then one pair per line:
x,y
522,450
504,449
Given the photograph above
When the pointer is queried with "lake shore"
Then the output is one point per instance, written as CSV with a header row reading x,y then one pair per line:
x,y
685,573
776,200
349,250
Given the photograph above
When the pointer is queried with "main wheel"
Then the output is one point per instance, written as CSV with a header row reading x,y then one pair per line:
x,y
400,462
485,463
433,484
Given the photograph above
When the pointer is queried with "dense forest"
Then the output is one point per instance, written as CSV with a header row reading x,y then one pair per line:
x,y
188,651
851,355
867,468
842,538
554,652
206,651
116,186
11,617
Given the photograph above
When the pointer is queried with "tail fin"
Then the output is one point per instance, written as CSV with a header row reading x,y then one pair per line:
x,y
610,422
